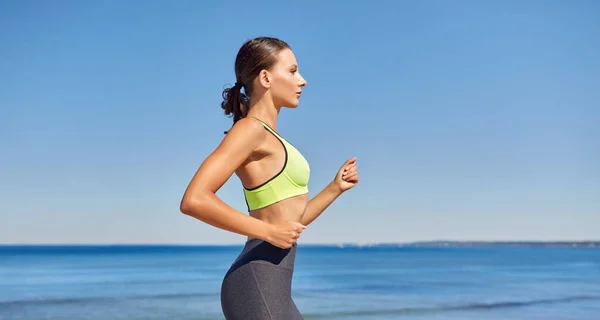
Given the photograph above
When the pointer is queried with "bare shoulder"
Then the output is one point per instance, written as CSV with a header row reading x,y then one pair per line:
x,y
239,143
245,136
247,131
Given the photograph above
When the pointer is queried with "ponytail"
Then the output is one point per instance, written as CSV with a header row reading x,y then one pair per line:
x,y
255,55
235,103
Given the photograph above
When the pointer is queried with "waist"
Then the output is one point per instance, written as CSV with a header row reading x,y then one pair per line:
x,y
257,250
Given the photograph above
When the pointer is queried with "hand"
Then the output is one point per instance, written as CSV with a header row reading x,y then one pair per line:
x,y
347,176
284,234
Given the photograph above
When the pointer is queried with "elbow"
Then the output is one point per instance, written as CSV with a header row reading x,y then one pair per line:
x,y
191,206
185,206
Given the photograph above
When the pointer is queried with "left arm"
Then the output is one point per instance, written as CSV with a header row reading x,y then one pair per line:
x,y
320,202
346,178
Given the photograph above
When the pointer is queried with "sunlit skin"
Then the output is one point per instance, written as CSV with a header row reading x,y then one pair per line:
x,y
255,155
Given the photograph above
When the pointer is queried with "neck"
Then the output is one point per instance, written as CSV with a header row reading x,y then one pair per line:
x,y
265,110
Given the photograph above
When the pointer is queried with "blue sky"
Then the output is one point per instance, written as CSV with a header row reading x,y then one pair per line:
x,y
470,120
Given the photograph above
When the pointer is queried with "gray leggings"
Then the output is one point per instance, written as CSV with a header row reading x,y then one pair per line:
x,y
258,286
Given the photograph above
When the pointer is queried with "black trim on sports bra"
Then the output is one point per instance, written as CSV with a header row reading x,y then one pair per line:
x,y
284,163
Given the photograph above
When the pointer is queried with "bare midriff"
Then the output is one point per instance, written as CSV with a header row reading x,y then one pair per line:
x,y
291,209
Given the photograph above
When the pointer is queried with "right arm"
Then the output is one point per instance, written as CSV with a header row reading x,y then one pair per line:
x,y
200,200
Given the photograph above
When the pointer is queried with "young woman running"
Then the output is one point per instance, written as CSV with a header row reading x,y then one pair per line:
x,y
274,176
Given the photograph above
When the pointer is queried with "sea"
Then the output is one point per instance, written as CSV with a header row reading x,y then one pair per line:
x,y
350,282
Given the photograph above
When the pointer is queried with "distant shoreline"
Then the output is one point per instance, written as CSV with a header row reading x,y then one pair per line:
x,y
503,244
414,244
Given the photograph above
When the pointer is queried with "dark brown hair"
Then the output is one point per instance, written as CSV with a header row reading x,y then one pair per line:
x,y
255,55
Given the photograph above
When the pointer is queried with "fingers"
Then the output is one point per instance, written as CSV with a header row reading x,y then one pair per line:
x,y
293,226
350,171
349,162
297,229
351,177
298,226
350,165
288,232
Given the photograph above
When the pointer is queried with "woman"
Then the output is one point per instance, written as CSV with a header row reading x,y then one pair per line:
x,y
274,176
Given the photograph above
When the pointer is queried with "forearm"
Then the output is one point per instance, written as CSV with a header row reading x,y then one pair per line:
x,y
320,202
212,210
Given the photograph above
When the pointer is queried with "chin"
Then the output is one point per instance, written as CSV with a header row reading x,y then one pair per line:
x,y
292,104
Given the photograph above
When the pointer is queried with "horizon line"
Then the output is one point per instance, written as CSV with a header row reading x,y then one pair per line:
x,y
187,244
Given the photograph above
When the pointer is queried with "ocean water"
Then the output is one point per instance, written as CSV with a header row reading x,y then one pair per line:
x,y
330,282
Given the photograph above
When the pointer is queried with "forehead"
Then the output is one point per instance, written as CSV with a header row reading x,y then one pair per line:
x,y
286,58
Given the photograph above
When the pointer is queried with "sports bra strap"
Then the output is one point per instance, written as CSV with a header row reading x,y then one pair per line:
x,y
268,128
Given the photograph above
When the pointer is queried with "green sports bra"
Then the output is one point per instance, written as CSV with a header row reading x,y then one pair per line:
x,y
292,179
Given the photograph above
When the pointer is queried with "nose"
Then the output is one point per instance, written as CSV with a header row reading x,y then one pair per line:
x,y
302,82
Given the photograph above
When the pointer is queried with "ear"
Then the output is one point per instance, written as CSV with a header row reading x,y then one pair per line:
x,y
264,78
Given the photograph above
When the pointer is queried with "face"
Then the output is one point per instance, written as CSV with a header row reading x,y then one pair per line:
x,y
286,83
